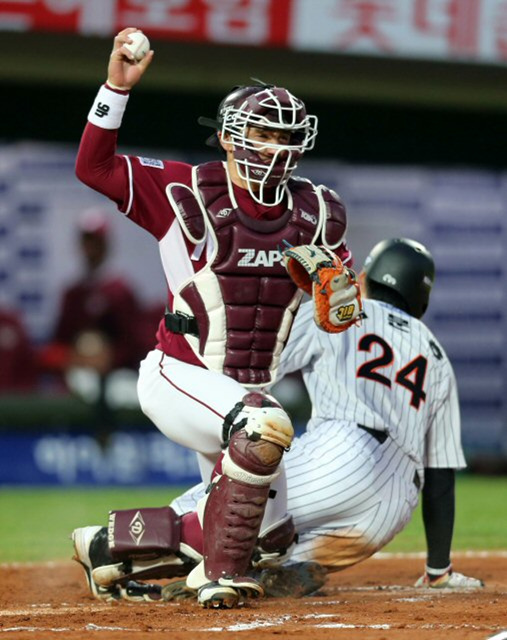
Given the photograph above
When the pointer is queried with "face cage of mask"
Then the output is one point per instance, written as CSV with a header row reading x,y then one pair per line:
x,y
260,175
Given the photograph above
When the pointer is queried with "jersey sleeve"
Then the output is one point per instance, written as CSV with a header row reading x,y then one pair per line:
x,y
443,447
136,184
145,201
302,343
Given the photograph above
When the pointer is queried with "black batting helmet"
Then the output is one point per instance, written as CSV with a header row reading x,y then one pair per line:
x,y
405,266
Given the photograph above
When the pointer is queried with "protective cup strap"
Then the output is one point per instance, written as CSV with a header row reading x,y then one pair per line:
x,y
108,109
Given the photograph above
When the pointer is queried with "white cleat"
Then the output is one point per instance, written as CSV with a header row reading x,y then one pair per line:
x,y
82,539
452,580
216,596
227,593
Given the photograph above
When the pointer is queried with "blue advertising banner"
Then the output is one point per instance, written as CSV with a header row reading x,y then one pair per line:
x,y
128,458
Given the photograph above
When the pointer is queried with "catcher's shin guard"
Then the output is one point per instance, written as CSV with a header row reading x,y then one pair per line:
x,y
235,507
275,543
138,544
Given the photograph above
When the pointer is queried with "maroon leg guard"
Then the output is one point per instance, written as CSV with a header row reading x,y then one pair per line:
x,y
143,533
236,504
276,542
232,520
280,537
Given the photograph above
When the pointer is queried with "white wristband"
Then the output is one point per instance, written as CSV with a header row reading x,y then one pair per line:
x,y
108,108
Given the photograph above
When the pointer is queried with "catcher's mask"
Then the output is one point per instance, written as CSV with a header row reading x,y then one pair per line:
x,y
263,107
405,266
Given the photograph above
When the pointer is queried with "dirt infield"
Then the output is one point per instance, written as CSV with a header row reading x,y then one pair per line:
x,y
371,601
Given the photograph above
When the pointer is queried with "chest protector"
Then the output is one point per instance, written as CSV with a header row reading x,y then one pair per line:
x,y
243,300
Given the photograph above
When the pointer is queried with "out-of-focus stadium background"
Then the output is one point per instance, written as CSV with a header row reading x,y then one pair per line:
x,y
411,97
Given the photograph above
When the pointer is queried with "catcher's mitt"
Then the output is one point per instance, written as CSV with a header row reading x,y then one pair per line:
x,y
333,287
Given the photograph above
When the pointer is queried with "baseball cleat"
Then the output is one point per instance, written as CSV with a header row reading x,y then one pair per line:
x,y
216,596
141,592
177,590
451,580
227,593
88,552
294,580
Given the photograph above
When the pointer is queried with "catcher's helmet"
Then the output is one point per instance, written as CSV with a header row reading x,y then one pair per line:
x,y
405,266
266,107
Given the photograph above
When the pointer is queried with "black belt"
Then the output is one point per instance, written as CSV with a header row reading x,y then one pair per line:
x,y
181,323
380,436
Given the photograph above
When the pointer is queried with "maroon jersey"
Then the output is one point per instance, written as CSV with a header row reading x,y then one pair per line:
x,y
17,355
140,187
106,305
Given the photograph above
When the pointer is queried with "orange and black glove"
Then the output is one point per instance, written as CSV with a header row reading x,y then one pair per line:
x,y
333,287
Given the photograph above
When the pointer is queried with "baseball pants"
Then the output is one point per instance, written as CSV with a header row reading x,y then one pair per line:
x,y
188,404
348,493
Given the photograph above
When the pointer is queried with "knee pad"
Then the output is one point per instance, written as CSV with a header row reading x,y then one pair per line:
x,y
253,462
262,418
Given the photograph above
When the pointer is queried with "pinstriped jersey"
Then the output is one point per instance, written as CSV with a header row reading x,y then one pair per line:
x,y
390,374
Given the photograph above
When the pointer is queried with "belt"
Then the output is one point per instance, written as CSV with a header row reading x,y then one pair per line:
x,y
380,436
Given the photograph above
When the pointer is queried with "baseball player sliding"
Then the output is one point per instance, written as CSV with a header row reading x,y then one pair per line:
x,y
385,425
231,305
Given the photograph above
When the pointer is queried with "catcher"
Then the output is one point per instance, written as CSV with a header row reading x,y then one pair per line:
x,y
385,428
230,309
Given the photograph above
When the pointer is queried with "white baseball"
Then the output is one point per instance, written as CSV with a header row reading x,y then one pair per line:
x,y
139,46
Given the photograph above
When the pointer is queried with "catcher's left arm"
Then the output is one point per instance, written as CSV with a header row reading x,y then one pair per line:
x,y
333,287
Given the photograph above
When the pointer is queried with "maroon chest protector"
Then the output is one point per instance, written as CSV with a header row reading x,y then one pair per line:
x,y
243,300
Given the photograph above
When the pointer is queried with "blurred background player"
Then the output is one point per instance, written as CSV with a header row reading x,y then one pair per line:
x,y
385,425
99,317
230,308
101,330
19,370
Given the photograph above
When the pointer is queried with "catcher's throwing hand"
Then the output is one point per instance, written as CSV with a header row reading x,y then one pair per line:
x,y
333,287
124,70
449,580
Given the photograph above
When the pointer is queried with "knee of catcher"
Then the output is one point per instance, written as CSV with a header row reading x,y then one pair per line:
x,y
261,418
253,462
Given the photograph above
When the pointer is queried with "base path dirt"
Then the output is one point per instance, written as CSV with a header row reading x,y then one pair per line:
x,y
372,601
